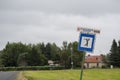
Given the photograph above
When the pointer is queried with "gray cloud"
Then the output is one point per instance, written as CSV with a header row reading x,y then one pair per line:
x,y
33,21
60,27
84,7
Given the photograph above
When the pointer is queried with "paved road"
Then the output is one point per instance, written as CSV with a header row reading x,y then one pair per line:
x,y
8,75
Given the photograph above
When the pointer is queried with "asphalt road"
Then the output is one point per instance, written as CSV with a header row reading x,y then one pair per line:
x,y
8,75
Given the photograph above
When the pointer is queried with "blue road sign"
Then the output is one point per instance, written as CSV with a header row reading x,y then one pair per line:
x,y
86,42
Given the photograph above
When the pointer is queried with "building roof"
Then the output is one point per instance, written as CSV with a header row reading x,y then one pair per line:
x,y
93,59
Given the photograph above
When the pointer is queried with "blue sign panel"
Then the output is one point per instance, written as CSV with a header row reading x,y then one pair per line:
x,y
86,42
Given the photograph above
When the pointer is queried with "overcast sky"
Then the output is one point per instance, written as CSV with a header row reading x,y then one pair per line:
x,y
34,21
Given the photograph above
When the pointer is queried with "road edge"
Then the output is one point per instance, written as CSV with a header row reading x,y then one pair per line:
x,y
20,76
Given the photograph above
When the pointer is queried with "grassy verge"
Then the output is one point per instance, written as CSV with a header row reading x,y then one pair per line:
x,y
21,76
90,74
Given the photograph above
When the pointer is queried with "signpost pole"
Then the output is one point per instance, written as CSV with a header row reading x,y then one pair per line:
x,y
86,43
82,66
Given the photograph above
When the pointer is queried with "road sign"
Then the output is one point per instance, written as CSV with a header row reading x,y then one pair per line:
x,y
86,42
88,30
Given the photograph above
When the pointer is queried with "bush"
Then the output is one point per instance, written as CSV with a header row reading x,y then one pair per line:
x,y
31,68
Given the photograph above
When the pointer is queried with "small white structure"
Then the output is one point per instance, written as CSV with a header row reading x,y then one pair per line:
x,y
50,62
53,63
111,66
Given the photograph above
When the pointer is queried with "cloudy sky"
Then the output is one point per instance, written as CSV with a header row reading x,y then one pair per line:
x,y
34,21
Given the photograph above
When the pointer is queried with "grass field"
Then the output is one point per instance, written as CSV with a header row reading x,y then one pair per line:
x,y
89,74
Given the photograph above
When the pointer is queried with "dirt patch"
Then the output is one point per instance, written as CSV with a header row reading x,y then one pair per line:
x,y
21,76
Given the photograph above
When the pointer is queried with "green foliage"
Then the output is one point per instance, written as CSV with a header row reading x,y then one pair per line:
x,y
105,59
114,55
55,52
77,55
34,57
48,51
11,52
22,59
66,55
19,54
31,68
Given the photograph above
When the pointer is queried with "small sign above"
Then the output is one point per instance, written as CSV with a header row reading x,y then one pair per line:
x,y
88,30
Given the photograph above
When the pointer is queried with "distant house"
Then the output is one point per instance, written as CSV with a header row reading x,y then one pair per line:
x,y
50,62
53,63
93,61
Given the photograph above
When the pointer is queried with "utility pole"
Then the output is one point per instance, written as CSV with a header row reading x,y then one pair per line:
x,y
65,44
71,57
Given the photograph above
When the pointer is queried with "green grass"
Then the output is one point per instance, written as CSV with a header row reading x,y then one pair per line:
x,y
89,74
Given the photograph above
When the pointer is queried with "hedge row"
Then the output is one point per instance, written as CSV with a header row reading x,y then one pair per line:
x,y
31,68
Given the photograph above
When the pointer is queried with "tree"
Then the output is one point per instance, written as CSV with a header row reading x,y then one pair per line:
x,y
34,57
40,48
11,53
55,52
19,54
105,59
64,57
22,59
77,55
114,55
48,51
118,53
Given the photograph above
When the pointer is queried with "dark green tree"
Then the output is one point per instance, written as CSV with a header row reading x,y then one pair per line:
x,y
105,60
55,52
11,52
114,55
118,53
77,55
19,54
48,51
64,57
34,57
42,48
22,59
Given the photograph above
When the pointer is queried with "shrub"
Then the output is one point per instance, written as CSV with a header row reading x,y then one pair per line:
x,y
31,68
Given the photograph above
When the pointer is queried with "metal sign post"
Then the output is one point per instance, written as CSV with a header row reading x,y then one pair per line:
x,y
86,43
82,66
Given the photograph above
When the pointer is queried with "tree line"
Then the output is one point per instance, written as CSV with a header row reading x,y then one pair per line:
x,y
114,55
19,54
